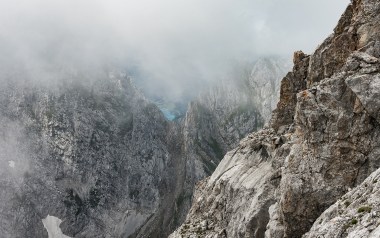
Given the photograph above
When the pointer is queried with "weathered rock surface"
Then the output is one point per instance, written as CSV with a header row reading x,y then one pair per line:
x,y
91,157
97,156
265,82
234,201
223,115
323,140
355,215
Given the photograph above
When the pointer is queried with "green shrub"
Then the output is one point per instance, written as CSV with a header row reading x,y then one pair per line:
x,y
365,209
350,223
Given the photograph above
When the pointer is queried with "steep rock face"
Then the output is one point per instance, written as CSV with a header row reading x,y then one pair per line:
x,y
234,201
293,82
229,111
216,122
99,157
223,115
355,215
93,158
335,149
323,140
265,82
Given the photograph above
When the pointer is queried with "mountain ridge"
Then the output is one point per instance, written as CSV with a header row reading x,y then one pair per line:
x,y
89,156
322,141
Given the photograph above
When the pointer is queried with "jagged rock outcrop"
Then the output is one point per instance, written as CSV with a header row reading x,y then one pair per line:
x,y
224,114
91,157
355,215
241,188
323,139
94,154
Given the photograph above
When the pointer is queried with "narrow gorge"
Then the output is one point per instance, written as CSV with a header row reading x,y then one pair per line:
x,y
92,157
89,146
312,172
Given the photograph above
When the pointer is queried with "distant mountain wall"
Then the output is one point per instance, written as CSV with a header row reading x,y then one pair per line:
x,y
92,157
308,172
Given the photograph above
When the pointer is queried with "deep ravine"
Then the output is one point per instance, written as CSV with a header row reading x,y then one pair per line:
x,y
92,157
322,142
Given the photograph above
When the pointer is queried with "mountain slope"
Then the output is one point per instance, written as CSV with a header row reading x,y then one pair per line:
x,y
86,155
221,116
77,152
322,140
356,214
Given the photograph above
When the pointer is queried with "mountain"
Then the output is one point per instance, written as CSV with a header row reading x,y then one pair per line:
x,y
87,155
321,142
224,114
353,215
96,155
264,84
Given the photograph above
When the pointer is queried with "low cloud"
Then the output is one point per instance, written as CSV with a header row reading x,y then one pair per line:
x,y
170,46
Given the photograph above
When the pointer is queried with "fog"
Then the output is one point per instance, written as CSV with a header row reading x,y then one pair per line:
x,y
171,47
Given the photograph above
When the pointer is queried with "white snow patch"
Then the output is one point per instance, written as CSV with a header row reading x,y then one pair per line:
x,y
51,224
11,164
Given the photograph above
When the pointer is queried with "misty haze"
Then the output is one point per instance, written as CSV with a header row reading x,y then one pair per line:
x,y
171,48
189,118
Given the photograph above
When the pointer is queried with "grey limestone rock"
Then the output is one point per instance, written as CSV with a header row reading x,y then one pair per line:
x,y
89,156
95,155
223,115
356,214
323,140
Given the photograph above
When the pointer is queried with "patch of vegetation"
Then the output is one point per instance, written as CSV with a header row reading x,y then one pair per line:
x,y
347,203
353,222
365,209
375,181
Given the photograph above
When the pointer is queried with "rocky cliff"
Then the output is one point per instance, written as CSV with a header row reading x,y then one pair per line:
x,y
94,154
355,215
322,141
86,155
264,83
225,113
221,116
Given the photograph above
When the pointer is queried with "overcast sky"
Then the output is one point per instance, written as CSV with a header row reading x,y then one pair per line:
x,y
170,43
